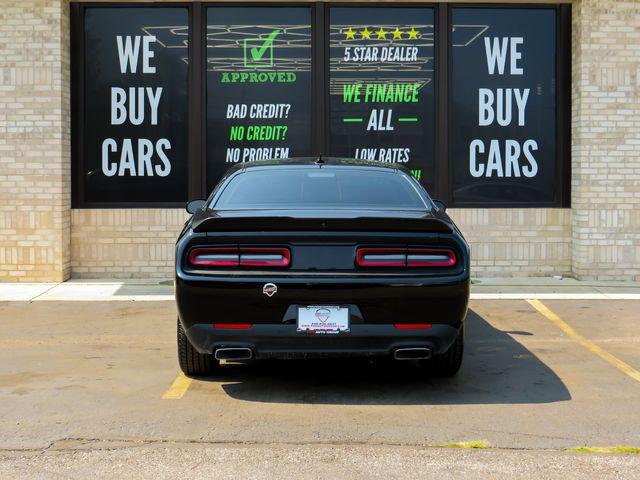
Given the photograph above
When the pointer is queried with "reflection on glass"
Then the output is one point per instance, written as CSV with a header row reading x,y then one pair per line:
x,y
342,187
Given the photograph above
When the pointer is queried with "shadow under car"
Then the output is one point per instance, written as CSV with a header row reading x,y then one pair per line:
x,y
496,370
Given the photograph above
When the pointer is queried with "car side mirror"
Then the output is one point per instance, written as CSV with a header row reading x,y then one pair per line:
x,y
440,204
194,205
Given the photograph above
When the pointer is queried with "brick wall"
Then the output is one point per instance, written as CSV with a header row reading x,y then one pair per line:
x,y
124,243
517,241
605,186
34,140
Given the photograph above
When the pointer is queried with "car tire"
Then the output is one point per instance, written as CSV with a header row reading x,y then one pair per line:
x,y
448,363
191,361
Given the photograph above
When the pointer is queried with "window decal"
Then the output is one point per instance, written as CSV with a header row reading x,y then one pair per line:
x,y
258,63
381,86
135,105
503,106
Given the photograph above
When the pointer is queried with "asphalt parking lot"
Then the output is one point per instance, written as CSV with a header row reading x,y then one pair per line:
x,y
92,389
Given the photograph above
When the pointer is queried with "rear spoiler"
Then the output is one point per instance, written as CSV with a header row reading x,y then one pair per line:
x,y
284,223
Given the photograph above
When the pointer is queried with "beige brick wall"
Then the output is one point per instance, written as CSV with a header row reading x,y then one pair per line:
x,y
517,241
605,186
34,140
124,243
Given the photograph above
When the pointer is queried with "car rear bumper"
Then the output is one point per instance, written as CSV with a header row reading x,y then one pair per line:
x,y
375,300
283,341
375,305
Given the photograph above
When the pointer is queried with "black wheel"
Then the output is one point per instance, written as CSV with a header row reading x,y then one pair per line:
x,y
192,362
448,363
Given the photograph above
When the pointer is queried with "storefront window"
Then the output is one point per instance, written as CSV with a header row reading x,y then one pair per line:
x,y
381,86
258,64
134,133
503,105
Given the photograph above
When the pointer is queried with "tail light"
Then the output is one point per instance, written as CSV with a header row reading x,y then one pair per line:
x,y
403,257
240,257
381,257
265,257
430,257
233,326
214,257
412,326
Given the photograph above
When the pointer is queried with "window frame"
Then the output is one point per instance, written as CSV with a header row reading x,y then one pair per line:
x,y
77,12
319,114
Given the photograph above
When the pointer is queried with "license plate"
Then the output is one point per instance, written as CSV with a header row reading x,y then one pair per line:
x,y
323,319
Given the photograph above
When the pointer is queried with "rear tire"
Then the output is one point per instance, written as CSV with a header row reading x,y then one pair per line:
x,y
191,362
448,363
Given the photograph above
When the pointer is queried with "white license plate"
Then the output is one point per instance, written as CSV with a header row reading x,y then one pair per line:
x,y
323,319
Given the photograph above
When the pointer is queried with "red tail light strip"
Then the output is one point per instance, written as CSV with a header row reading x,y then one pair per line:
x,y
422,257
214,257
240,257
412,326
402,257
381,257
265,257
233,326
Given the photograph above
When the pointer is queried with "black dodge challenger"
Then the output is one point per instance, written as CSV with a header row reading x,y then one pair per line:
x,y
320,257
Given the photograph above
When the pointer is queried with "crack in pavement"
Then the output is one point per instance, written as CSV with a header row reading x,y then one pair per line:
x,y
75,444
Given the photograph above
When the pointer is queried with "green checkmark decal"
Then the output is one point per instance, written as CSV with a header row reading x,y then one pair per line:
x,y
257,49
258,53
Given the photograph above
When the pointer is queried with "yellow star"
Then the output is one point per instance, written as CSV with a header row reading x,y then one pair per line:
x,y
413,33
382,34
365,33
350,34
397,33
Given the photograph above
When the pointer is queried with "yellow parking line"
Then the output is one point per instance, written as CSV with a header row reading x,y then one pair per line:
x,y
588,344
178,388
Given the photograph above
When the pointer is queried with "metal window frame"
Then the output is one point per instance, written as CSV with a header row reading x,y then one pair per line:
x,y
320,141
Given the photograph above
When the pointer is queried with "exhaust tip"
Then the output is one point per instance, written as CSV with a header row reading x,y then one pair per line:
x,y
412,354
233,354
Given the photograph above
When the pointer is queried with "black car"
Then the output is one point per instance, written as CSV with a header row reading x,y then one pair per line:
x,y
320,257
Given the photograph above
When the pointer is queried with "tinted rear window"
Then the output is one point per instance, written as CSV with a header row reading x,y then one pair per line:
x,y
320,188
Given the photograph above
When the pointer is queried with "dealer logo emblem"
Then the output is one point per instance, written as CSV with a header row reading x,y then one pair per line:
x,y
323,314
270,289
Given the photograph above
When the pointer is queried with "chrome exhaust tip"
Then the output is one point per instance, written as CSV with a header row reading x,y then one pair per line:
x,y
233,354
412,354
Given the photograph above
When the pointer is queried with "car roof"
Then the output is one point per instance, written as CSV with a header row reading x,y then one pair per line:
x,y
319,161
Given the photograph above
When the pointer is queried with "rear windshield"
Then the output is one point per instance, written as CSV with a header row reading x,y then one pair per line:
x,y
320,188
